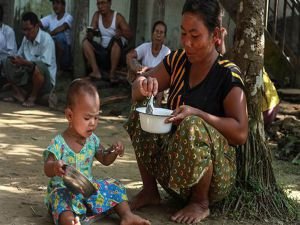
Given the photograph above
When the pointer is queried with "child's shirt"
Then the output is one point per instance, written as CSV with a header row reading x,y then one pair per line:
x,y
109,191
82,161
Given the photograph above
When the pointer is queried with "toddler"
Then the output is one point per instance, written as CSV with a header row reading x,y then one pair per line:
x,y
78,146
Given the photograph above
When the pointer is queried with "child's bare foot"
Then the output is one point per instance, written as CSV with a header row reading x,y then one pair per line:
x,y
132,219
76,221
144,198
191,214
67,218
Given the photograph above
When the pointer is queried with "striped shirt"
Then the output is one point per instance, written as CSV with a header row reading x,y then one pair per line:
x,y
210,93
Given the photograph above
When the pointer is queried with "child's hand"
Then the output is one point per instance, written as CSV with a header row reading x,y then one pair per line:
x,y
118,148
58,168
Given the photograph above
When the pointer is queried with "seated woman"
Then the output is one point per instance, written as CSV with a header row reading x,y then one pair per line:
x,y
148,55
196,161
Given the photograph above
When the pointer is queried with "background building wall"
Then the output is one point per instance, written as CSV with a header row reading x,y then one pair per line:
x,y
147,15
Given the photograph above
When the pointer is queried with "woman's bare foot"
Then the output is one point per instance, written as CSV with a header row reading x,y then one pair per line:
x,y
191,214
144,198
132,219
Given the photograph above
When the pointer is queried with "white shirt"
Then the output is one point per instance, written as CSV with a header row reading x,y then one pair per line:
x,y
145,56
8,45
51,22
41,49
108,33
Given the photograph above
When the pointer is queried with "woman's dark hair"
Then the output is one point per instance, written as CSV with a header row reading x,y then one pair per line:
x,y
208,10
161,23
31,17
1,13
79,87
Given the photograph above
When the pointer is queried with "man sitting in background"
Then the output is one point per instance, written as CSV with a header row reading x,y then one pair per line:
x,y
59,26
32,72
8,46
115,32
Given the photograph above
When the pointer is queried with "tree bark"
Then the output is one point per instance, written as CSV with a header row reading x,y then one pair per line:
x,y
8,8
81,22
158,10
257,194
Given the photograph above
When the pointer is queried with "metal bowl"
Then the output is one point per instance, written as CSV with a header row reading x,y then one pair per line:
x,y
77,183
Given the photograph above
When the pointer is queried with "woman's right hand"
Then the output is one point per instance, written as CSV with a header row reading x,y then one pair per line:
x,y
147,86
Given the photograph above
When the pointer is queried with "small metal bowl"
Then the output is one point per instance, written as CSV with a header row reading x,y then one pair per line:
x,y
77,183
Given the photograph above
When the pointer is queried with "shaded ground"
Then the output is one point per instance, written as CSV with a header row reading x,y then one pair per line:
x,y
24,133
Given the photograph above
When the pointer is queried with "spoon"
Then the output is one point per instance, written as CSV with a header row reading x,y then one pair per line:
x,y
150,106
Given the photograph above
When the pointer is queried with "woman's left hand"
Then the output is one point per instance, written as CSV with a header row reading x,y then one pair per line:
x,y
181,113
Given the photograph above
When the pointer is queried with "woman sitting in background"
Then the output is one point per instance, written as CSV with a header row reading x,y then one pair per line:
x,y
149,55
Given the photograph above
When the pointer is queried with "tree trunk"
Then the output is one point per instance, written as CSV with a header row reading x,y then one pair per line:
x,y
158,10
8,8
133,20
257,194
81,22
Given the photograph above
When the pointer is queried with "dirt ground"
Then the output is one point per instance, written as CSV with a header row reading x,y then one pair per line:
x,y
24,134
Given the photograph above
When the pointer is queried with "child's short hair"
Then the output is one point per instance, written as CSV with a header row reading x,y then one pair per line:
x,y
78,87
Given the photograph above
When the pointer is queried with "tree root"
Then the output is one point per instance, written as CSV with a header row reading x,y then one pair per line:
x,y
256,195
261,206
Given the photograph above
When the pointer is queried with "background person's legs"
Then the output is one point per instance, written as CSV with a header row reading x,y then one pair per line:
x,y
37,83
89,53
3,80
114,59
17,77
270,115
63,53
